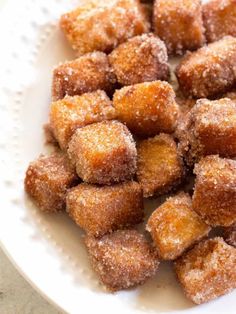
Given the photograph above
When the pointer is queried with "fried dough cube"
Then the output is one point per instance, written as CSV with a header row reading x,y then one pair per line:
x,y
208,270
210,129
141,59
122,259
102,209
215,126
174,226
85,74
47,180
219,17
179,24
147,108
160,167
73,112
214,197
102,25
230,235
103,153
209,70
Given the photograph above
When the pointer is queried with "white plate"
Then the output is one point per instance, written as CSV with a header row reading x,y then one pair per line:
x,y
48,249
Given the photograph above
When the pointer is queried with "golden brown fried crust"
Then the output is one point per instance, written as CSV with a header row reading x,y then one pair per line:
x,y
122,259
73,112
47,180
147,108
208,71
140,59
103,25
209,128
230,235
174,226
219,17
214,197
207,271
160,166
103,153
179,24
85,74
103,209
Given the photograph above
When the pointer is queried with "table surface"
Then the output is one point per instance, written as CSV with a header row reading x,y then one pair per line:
x,y
16,294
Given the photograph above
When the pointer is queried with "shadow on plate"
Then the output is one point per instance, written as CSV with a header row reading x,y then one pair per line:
x,y
162,293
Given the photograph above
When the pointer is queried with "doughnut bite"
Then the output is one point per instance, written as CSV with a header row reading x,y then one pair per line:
x,y
207,271
73,112
219,17
122,259
141,59
160,167
214,197
179,24
85,74
208,71
102,25
210,128
47,180
103,153
174,226
147,108
103,209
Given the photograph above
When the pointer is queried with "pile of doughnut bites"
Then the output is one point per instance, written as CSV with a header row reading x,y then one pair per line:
x,y
124,134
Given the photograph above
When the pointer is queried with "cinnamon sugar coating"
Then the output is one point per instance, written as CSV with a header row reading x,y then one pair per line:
x,y
122,259
141,59
160,166
85,74
214,197
174,226
102,25
230,235
219,17
147,108
103,209
210,70
47,180
73,112
207,271
179,24
209,128
103,153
